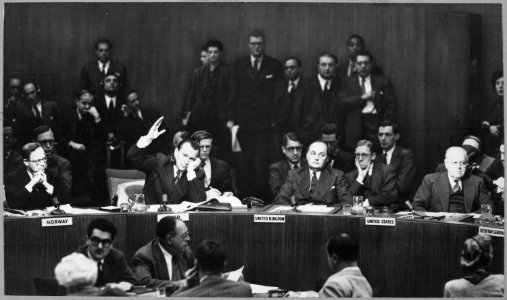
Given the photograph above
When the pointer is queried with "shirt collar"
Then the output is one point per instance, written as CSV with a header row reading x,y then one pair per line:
x,y
253,58
451,181
91,257
390,152
295,81
322,81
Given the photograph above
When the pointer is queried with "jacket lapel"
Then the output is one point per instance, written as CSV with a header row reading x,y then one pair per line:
x,y
305,183
159,260
443,185
375,177
468,193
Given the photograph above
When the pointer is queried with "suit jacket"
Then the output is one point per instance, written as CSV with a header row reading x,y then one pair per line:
x,y
91,76
162,181
221,178
12,161
352,104
18,196
131,128
61,170
433,194
110,118
319,108
114,268
347,283
332,188
251,94
150,266
287,108
278,174
496,169
403,161
384,191
343,161
216,286
343,68
25,121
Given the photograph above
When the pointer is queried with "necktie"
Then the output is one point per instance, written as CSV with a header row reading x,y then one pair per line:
x,y
256,64
456,188
291,86
384,158
103,71
326,86
206,179
111,105
178,175
363,89
313,183
295,166
37,112
100,276
351,68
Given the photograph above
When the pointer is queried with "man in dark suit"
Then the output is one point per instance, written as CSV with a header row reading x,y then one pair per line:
x,y
31,112
31,187
315,183
454,190
109,104
164,261
401,159
253,81
292,148
111,263
217,172
376,182
211,256
320,99
177,175
12,157
496,172
339,158
93,73
367,100
355,43
206,100
12,96
287,105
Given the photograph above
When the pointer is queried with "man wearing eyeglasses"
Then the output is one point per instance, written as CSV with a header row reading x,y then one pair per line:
x,y
315,183
454,190
376,182
30,187
166,261
292,148
113,270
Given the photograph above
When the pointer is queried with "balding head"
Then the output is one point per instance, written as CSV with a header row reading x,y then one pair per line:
x,y
456,162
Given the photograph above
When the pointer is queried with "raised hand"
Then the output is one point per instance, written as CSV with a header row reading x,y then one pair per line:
x,y
154,132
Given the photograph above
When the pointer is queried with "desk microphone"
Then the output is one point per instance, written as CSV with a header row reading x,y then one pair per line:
x,y
294,204
164,207
57,210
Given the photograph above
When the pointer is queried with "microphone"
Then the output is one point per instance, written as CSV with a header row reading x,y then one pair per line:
x,y
164,207
294,204
57,210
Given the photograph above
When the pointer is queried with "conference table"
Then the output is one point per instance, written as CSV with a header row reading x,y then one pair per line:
x,y
414,258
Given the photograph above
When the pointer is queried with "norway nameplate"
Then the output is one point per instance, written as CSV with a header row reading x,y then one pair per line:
x,y
50,222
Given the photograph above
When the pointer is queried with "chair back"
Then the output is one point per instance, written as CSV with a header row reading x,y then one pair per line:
x,y
48,287
117,176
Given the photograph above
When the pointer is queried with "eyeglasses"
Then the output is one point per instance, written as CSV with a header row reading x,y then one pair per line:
x,y
294,149
49,142
459,163
96,241
361,63
39,161
362,155
205,147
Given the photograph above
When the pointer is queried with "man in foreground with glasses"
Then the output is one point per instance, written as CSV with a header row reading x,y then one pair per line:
x,y
376,182
30,187
454,190
292,148
315,183
113,270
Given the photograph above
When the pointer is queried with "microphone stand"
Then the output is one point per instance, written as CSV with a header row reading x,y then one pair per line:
x,y
164,207
57,210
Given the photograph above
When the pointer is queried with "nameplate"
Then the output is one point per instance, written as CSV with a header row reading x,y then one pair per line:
x,y
493,231
183,216
56,222
380,221
269,218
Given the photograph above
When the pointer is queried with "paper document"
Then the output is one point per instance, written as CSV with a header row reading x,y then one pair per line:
x,y
303,208
234,137
235,275
262,289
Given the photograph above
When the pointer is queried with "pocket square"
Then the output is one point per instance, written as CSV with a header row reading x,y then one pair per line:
x,y
269,76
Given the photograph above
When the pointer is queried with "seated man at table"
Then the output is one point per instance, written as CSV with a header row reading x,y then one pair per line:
x,y
112,265
453,190
495,171
347,280
165,260
315,183
210,257
376,182
340,159
174,175
292,149
32,187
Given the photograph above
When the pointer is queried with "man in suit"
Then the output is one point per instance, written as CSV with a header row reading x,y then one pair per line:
x,y
376,182
164,261
355,43
253,81
93,73
315,183
113,269
211,256
217,172
206,100
292,148
367,99
496,172
401,159
287,105
177,175
32,187
454,190
340,159
12,157
109,104
320,99
11,97
32,111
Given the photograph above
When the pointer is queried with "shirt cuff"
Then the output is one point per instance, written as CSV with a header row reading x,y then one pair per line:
x,y
50,189
29,188
191,175
143,142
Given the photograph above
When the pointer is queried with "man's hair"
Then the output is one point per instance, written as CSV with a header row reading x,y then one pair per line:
x,y
257,33
366,143
179,136
298,61
192,143
216,44
477,252
102,225
345,247
111,74
327,55
166,225
83,92
39,130
456,149
318,141
210,256
496,75
200,135
290,136
365,53
356,36
390,123
329,128
204,48
103,41
130,91
28,148
76,271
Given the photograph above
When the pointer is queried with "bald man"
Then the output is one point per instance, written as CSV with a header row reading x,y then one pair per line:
x,y
453,190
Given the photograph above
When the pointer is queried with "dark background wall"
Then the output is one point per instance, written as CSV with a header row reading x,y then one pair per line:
x,y
424,49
